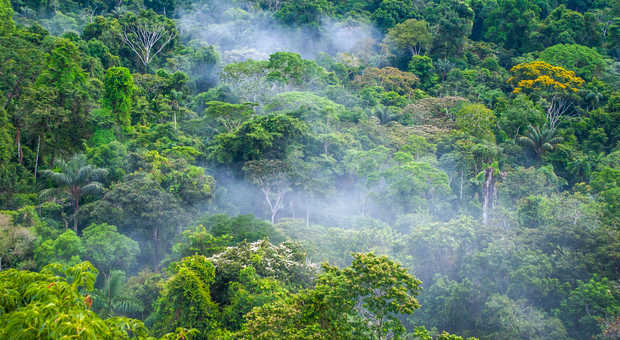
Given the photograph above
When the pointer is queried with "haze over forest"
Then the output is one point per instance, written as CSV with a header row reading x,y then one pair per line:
x,y
320,169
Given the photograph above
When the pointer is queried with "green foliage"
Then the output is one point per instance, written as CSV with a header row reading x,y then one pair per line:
x,y
393,141
455,20
248,292
417,185
66,249
303,13
383,288
392,12
107,249
585,61
118,87
540,139
284,262
522,182
588,304
477,120
510,23
185,300
6,17
504,314
422,66
411,35
240,228
266,136
76,178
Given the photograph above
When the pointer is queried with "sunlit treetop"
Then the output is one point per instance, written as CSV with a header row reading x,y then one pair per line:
x,y
539,75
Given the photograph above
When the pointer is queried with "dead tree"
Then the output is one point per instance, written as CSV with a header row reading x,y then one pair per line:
x,y
273,179
147,40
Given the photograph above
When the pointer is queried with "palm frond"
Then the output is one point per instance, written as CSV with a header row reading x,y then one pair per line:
x,y
92,188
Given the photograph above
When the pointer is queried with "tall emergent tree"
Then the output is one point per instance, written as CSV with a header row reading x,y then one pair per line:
x,y
75,179
118,87
412,35
147,39
555,84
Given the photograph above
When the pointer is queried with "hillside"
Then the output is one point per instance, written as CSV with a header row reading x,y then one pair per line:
x,y
321,169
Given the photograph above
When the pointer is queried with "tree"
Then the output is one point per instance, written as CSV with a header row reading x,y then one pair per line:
x,y
141,207
75,179
20,65
416,185
412,35
113,298
272,176
489,178
7,26
540,139
185,300
60,100
455,22
477,120
358,302
586,62
285,262
262,137
147,39
367,168
50,304
392,12
66,250
107,249
554,83
422,66
119,87
588,304
518,319
511,22
389,78
301,13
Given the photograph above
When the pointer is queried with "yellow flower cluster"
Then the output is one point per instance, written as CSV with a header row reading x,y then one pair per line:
x,y
539,75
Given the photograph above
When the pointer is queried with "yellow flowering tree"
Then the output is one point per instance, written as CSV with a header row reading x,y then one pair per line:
x,y
555,84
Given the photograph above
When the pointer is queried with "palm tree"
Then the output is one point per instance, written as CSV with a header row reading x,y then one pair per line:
x,y
540,139
76,178
113,298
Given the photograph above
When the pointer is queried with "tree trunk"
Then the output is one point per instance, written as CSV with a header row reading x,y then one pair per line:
x,y
76,208
307,215
18,141
487,193
36,162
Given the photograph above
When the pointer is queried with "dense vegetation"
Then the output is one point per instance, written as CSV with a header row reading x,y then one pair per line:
x,y
309,169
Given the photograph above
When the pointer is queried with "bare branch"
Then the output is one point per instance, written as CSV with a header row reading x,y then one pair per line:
x,y
147,40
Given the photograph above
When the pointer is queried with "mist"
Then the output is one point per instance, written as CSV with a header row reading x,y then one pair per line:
x,y
244,32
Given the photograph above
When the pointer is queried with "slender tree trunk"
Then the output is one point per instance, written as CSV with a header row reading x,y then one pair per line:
x,y
76,208
36,162
175,120
487,193
18,141
307,215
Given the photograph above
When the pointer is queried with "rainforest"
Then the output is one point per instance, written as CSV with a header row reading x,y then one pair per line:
x,y
310,169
